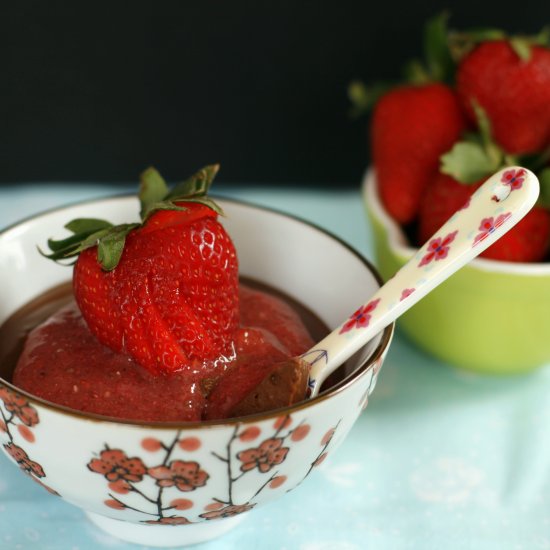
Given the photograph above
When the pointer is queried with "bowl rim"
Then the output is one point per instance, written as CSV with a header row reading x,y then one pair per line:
x,y
377,354
399,243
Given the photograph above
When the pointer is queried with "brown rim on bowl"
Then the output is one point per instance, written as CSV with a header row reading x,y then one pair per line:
x,y
369,363
399,243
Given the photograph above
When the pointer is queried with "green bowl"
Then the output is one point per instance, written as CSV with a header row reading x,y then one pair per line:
x,y
490,317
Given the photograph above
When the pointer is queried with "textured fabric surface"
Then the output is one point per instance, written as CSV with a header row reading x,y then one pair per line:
x,y
441,458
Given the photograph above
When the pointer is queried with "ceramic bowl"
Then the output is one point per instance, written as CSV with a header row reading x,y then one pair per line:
x,y
490,317
176,484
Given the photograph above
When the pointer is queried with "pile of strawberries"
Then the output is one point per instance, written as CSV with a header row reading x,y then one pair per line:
x,y
481,102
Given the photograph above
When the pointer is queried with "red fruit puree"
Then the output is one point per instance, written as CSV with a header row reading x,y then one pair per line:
x,y
63,362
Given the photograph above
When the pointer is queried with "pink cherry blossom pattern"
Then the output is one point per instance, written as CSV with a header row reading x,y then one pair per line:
x,y
438,249
185,476
22,458
406,293
269,454
513,178
488,225
361,318
19,407
115,465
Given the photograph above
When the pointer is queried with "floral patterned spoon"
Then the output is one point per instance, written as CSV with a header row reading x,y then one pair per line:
x,y
501,202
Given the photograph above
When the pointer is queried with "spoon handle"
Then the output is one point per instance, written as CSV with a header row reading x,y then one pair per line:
x,y
492,210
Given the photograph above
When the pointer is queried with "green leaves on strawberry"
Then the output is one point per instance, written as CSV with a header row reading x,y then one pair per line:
x,y
88,232
438,65
164,291
461,43
468,161
477,156
154,195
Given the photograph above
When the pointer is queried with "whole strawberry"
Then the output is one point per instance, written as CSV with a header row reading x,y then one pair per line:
x,y
412,126
165,291
510,80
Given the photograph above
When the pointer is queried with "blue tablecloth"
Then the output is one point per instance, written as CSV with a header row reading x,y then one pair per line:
x,y
441,459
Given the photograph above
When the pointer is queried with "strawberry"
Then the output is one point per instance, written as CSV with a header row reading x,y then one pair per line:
x,y
512,85
412,124
528,241
165,292
471,161
411,127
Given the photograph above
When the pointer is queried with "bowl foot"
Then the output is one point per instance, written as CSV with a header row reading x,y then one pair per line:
x,y
164,535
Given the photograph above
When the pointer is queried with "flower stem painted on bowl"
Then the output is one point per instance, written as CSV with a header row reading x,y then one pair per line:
x,y
126,475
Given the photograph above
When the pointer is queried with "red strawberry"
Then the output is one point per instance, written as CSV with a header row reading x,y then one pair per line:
x,y
412,126
528,241
169,299
514,92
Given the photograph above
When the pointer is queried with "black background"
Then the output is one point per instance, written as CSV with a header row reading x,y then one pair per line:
x,y
98,91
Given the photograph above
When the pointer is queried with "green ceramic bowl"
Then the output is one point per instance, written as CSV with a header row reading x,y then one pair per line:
x,y
491,317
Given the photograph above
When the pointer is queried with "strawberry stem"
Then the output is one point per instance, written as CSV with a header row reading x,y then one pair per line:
x,y
438,58
363,97
477,156
194,189
438,65
461,43
152,189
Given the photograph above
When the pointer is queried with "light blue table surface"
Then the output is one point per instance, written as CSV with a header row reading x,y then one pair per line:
x,y
441,459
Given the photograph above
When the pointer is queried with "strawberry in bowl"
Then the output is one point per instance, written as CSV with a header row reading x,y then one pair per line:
x,y
147,442
159,309
492,316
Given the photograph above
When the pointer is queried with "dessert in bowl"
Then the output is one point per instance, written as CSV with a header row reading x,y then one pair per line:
x,y
182,482
490,317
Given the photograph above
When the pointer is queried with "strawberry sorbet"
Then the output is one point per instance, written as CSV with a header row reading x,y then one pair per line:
x,y
64,363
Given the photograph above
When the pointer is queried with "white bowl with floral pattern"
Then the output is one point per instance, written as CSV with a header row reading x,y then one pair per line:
x,y
165,484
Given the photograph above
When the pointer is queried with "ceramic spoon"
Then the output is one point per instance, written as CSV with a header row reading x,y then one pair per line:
x,y
495,208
